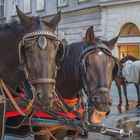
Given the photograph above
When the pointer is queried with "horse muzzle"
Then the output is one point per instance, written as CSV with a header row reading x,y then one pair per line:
x,y
99,107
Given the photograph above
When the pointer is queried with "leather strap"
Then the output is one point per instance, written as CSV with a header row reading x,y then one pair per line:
x,y
11,98
43,81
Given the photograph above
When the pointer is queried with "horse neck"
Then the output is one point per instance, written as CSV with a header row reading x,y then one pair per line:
x,y
126,58
68,81
9,62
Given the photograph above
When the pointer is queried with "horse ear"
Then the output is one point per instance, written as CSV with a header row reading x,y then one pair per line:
x,y
89,37
113,41
25,20
54,21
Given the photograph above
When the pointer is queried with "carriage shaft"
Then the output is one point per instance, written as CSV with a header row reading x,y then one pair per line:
x,y
97,128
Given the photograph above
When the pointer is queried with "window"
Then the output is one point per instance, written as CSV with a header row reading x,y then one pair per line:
x,y
1,8
24,5
62,3
14,3
40,5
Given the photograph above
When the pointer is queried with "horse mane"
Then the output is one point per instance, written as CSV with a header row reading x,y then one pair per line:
x,y
128,57
11,24
70,65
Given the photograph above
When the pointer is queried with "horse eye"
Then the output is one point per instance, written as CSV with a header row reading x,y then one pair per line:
x,y
28,48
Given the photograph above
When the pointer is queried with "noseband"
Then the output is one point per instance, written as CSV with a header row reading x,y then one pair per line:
x,y
31,36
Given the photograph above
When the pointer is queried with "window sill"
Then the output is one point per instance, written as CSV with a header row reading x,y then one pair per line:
x,y
84,1
41,10
2,18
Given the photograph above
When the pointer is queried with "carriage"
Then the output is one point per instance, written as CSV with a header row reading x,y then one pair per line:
x,y
36,106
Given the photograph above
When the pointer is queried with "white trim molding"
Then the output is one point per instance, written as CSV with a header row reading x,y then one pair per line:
x,y
128,40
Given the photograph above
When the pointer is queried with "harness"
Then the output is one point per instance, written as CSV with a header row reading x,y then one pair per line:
x,y
26,111
89,50
46,80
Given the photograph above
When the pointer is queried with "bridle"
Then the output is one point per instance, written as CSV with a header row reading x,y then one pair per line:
x,y
31,36
89,50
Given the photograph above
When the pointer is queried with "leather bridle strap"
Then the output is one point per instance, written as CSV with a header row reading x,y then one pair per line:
x,y
11,98
43,81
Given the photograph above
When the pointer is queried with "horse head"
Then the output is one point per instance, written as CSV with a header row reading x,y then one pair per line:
x,y
37,51
99,68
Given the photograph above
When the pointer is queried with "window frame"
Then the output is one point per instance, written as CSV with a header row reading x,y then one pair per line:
x,y
60,4
29,10
2,5
21,5
41,9
14,3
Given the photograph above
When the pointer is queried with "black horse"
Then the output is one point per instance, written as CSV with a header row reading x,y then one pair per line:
x,y
90,66
121,81
31,46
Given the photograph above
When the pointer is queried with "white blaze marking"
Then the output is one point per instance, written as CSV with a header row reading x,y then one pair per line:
x,y
100,53
108,64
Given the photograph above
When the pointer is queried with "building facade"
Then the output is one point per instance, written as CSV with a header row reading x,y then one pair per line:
x,y
122,16
109,18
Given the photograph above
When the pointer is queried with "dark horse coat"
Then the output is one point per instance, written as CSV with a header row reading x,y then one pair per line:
x,y
39,58
87,65
10,36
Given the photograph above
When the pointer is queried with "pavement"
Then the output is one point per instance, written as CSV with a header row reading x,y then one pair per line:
x,y
126,119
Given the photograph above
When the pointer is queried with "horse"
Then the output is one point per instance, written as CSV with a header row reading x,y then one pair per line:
x,y
121,81
28,50
88,66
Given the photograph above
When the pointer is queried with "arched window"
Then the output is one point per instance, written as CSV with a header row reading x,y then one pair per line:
x,y
129,29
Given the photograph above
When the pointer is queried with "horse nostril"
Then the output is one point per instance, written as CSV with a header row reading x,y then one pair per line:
x,y
107,113
96,99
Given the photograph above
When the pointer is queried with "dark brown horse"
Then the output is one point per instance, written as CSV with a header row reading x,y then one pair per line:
x,y
35,54
90,66
35,57
121,81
